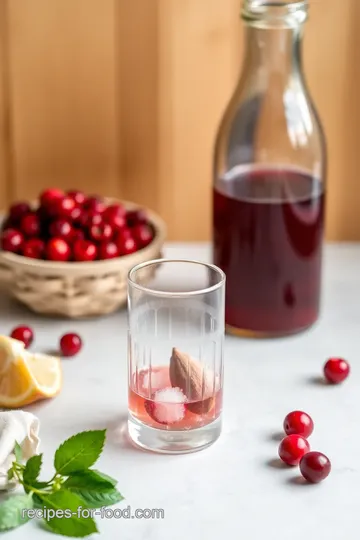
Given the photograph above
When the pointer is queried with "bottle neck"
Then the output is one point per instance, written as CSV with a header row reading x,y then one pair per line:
x,y
273,51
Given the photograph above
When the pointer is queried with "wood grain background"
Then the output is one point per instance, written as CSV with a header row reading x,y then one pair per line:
x,y
123,98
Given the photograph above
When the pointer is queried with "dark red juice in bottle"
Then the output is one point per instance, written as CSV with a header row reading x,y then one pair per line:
x,y
268,231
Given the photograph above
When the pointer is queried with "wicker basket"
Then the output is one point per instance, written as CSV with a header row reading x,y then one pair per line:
x,y
76,289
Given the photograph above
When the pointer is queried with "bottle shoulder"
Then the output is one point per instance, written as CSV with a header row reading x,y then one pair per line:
x,y
273,120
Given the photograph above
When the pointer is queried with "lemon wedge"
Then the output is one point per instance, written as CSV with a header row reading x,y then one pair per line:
x,y
26,377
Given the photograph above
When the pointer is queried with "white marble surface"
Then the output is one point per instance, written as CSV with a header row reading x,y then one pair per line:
x,y
232,490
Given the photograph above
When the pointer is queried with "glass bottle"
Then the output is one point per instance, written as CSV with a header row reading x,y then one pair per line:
x,y
269,181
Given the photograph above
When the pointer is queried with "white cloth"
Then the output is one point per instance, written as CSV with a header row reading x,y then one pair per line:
x,y
21,427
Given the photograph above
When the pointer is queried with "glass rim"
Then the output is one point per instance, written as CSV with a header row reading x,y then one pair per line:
x,y
169,294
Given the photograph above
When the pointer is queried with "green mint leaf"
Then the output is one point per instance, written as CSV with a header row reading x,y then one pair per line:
x,y
68,520
32,469
11,512
93,489
79,452
10,474
88,479
97,499
18,452
106,477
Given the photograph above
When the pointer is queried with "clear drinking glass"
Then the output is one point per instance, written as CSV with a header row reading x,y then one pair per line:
x,y
175,354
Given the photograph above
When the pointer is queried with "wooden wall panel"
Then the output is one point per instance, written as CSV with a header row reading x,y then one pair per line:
x,y
63,96
6,176
138,75
199,53
333,74
124,97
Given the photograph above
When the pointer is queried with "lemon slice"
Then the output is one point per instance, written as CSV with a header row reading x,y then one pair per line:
x,y
26,377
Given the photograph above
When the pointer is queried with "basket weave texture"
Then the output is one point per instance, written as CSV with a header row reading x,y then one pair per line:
x,y
77,289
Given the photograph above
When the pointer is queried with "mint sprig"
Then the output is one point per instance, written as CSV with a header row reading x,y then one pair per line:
x,y
74,486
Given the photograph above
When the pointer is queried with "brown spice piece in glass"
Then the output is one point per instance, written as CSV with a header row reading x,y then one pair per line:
x,y
189,375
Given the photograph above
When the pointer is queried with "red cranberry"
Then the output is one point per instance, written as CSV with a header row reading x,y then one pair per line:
x,y
134,217
61,228
70,344
292,448
315,467
298,423
127,246
123,234
18,210
115,215
78,196
95,205
88,219
34,248
76,215
77,234
108,250
84,250
142,234
30,225
63,207
336,370
48,196
12,240
57,250
24,334
102,232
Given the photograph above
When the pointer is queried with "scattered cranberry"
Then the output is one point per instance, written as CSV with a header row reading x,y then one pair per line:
x,y
298,423
78,196
18,210
12,240
292,448
315,467
24,334
57,249
127,246
61,228
142,235
134,217
336,370
84,250
34,248
48,196
94,204
70,344
30,225
108,250
102,232
115,215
